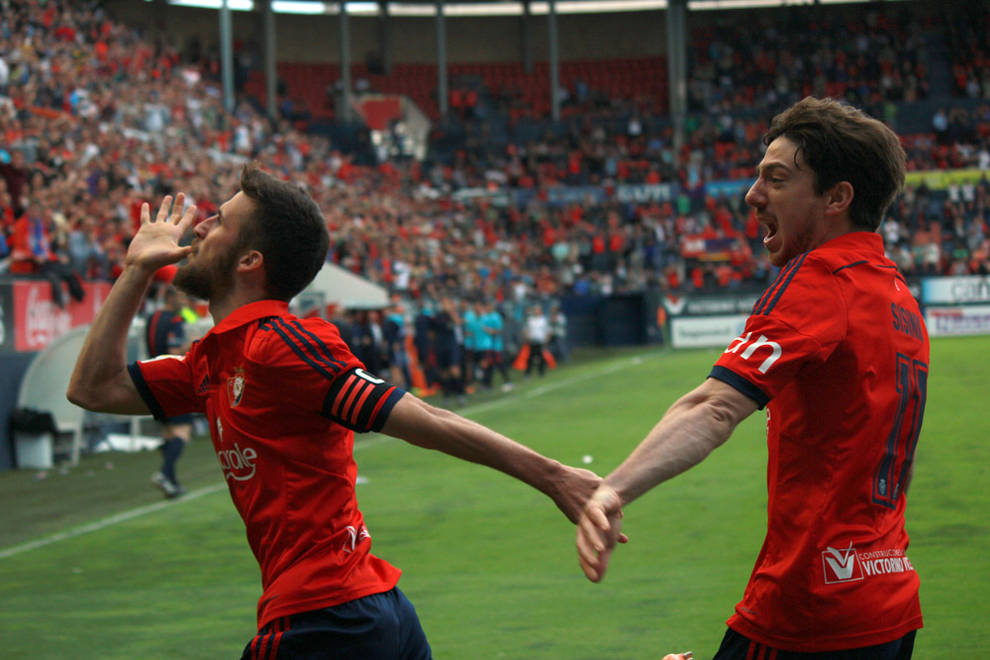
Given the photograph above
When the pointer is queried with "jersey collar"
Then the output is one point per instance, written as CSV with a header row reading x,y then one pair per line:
x,y
869,240
251,312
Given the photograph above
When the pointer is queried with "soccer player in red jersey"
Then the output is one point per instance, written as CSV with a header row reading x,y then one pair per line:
x,y
837,352
283,397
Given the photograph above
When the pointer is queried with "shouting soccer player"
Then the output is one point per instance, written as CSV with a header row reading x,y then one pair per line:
x,y
283,396
837,352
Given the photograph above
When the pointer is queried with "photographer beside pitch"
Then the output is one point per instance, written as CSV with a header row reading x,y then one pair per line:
x,y
283,397
837,351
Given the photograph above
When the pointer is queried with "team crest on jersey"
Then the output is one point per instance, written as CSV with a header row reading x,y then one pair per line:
x,y
235,388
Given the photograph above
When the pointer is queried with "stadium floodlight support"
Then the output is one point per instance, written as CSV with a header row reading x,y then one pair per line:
x,y
441,61
345,65
226,57
271,82
385,36
554,62
524,41
677,69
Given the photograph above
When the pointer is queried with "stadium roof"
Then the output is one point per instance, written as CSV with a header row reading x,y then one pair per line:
x,y
465,8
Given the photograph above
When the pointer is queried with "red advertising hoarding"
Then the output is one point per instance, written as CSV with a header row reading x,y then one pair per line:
x,y
38,320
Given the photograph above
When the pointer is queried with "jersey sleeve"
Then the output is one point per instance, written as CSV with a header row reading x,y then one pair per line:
x,y
166,384
797,322
308,359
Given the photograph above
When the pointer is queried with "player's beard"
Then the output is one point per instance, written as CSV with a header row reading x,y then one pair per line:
x,y
210,281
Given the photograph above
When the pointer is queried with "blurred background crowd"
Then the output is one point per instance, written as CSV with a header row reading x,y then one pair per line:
x,y
96,119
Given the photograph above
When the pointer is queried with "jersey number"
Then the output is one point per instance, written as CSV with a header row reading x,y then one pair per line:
x,y
898,455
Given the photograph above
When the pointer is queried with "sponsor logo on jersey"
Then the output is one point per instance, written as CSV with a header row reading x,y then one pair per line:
x,y
752,346
849,565
238,464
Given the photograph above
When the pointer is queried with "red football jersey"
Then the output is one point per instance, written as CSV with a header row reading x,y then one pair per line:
x,y
282,396
837,351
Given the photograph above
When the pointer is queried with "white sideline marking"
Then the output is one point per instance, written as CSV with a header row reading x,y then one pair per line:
x,y
107,522
366,444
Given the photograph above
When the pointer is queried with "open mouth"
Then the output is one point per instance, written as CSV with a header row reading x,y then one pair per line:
x,y
770,225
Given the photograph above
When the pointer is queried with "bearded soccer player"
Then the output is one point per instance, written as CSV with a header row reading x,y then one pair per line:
x,y
837,352
283,397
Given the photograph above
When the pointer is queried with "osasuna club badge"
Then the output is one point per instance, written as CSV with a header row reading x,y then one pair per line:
x,y
235,389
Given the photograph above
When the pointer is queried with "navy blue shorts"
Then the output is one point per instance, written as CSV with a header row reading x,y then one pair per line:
x,y
179,419
739,647
378,627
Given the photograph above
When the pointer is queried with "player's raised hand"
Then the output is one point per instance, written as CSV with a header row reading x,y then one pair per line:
x,y
598,530
156,243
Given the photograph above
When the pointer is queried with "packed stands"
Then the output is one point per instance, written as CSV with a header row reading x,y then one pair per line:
x,y
97,120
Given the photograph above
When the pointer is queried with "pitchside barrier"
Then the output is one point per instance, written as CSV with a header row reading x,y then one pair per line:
x,y
956,305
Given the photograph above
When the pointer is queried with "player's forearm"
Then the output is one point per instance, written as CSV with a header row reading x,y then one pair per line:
x,y
690,430
442,430
103,359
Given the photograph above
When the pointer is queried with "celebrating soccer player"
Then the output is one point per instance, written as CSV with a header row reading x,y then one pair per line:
x,y
837,352
283,397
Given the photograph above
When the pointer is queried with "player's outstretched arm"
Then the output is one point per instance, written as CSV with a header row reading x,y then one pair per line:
x,y
421,424
100,380
691,429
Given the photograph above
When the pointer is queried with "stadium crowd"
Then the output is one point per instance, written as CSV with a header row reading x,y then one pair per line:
x,y
97,119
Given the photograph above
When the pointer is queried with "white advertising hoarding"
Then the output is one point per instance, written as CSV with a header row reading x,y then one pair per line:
x,y
955,290
969,320
702,331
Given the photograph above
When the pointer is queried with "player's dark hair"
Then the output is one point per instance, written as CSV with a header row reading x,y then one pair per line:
x,y
842,143
288,228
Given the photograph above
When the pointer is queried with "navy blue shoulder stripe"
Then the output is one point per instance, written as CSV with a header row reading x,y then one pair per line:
x,y
855,263
769,290
298,349
792,267
315,346
319,343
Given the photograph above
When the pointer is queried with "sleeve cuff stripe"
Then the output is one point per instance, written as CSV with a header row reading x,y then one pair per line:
x,y
738,382
142,387
384,407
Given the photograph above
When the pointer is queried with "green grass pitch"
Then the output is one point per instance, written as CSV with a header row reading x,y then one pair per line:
x,y
94,565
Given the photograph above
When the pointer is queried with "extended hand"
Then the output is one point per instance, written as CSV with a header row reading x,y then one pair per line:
x,y
599,529
156,243
573,489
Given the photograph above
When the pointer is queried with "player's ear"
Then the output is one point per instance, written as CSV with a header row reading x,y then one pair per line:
x,y
250,261
839,197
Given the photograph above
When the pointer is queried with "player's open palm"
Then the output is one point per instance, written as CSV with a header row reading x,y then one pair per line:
x,y
156,243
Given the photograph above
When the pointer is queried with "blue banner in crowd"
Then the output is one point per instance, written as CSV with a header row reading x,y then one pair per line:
x,y
645,193
728,187
626,193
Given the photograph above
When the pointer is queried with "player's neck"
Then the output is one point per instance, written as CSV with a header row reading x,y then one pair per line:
x,y
237,298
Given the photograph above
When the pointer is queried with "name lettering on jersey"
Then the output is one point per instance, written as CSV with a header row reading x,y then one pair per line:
x,y
238,464
851,566
761,342
906,321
